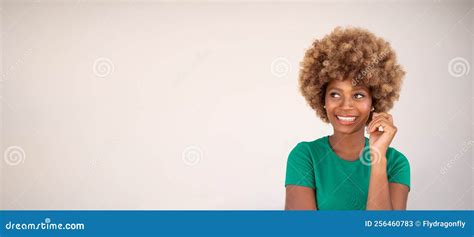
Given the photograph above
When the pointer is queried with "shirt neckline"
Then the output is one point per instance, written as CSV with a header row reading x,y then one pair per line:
x,y
354,162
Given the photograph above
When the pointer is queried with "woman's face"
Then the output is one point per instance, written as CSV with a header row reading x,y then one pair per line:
x,y
347,107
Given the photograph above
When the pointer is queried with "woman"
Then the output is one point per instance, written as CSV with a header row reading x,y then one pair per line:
x,y
351,79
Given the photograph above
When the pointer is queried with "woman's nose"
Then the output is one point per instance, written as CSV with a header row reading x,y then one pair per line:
x,y
347,102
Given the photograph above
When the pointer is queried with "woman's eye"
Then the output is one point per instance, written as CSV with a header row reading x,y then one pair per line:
x,y
334,95
359,95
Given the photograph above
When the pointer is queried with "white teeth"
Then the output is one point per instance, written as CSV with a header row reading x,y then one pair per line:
x,y
346,118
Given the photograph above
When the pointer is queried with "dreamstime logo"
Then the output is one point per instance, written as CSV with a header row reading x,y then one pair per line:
x,y
103,67
456,157
280,67
47,224
368,70
14,155
192,155
199,58
15,66
458,67
369,156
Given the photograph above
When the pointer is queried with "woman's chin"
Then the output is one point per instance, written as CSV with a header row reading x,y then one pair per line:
x,y
346,129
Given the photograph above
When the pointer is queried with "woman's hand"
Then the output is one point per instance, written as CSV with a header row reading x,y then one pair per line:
x,y
380,140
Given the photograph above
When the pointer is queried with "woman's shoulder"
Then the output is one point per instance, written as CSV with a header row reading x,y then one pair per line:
x,y
311,144
311,148
398,167
394,156
306,153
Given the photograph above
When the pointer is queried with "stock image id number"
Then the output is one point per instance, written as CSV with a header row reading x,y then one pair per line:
x,y
385,223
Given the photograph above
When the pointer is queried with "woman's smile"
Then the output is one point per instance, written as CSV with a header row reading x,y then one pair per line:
x,y
346,119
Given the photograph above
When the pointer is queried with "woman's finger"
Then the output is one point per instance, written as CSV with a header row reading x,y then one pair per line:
x,y
374,121
386,124
386,115
377,123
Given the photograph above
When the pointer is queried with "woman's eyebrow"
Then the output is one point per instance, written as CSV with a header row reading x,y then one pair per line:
x,y
334,88
355,88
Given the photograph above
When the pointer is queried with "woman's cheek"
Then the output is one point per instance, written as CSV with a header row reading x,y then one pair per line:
x,y
365,109
329,113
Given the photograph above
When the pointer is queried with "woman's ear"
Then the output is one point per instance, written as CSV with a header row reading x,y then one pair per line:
x,y
372,110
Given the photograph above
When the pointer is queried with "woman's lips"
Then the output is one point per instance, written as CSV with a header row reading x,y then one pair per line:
x,y
346,119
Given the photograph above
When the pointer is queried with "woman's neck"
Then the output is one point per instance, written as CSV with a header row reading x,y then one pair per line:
x,y
347,145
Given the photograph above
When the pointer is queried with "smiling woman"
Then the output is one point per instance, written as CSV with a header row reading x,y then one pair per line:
x,y
351,79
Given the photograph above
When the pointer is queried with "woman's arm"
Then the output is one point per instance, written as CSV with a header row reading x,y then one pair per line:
x,y
300,198
379,190
382,194
399,196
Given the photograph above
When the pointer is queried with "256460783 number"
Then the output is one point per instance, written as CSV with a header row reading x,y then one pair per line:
x,y
388,223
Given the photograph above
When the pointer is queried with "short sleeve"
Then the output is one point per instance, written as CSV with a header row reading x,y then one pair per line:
x,y
398,168
299,168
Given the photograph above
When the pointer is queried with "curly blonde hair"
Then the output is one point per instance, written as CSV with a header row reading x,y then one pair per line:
x,y
356,54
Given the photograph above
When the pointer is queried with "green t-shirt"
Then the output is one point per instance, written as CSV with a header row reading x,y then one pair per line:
x,y
339,184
